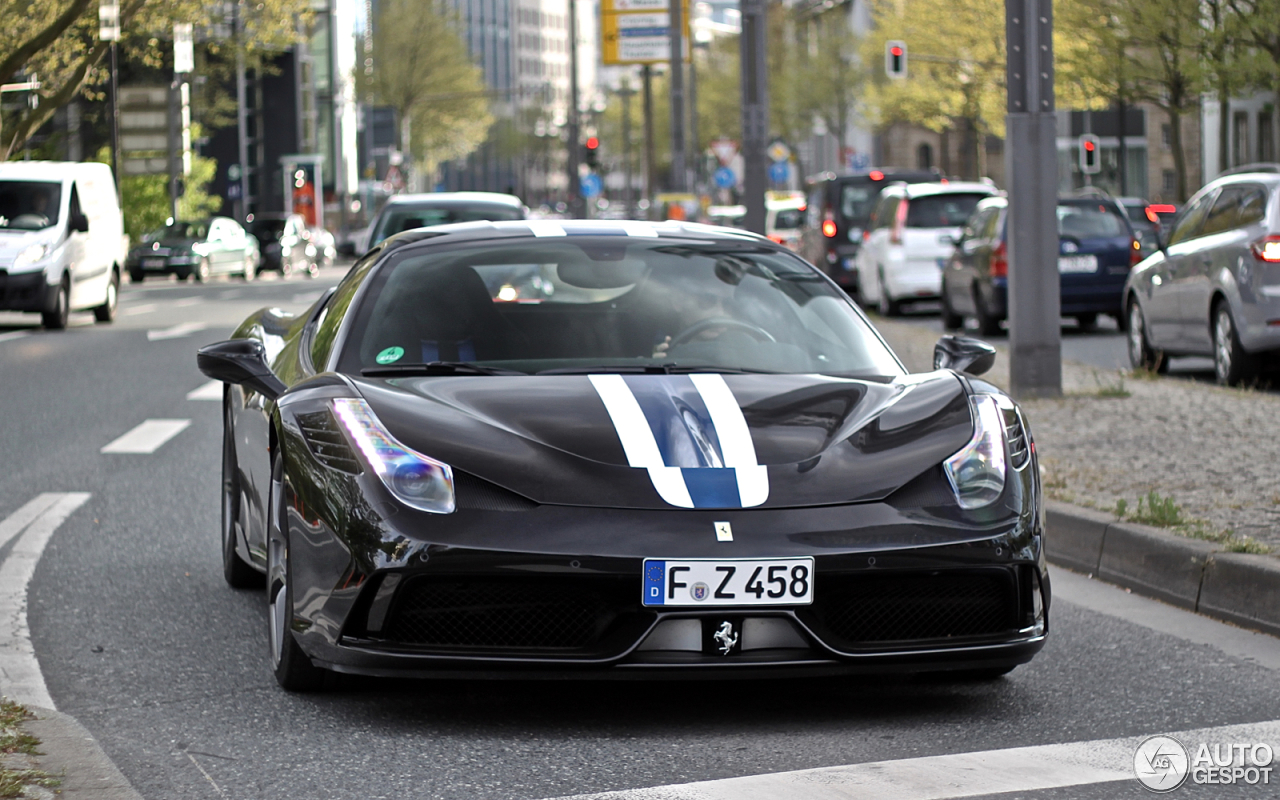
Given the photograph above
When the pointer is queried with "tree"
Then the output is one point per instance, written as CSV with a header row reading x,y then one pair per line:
x,y
58,41
822,75
146,197
421,69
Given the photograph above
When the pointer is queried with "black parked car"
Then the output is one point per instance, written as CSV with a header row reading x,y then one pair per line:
x,y
689,453
839,214
1096,247
286,244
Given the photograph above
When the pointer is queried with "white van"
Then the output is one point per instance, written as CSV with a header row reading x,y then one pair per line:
x,y
62,244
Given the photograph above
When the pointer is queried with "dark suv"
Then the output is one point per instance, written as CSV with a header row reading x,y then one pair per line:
x,y
1096,249
838,214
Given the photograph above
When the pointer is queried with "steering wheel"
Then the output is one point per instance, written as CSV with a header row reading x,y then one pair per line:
x,y
754,331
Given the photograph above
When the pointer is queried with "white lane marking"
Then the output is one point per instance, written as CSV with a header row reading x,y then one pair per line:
x,y
546,227
145,308
637,439
176,332
4,337
20,676
147,437
1017,769
188,301
13,524
306,297
210,391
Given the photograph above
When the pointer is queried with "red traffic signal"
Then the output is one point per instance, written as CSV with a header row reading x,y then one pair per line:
x,y
895,59
592,142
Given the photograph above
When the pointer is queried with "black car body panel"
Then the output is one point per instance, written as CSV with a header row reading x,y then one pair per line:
x,y
538,569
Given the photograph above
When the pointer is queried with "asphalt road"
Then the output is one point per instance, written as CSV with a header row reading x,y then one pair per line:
x,y
139,638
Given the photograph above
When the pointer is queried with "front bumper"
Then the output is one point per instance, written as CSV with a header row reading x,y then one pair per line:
x,y
164,264
26,291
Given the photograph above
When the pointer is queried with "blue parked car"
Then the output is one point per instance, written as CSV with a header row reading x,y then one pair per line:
x,y
1096,249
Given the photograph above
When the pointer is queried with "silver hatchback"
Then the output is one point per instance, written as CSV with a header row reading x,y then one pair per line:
x,y
1213,287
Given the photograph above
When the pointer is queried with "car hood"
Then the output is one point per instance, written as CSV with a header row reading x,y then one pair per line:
x,y
13,242
663,441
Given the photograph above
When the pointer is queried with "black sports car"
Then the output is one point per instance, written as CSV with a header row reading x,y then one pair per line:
x,y
619,448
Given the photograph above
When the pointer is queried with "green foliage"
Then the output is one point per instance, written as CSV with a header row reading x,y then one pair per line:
x,y
12,740
146,197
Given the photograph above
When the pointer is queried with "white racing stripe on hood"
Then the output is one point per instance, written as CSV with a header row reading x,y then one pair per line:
x,y
637,439
735,438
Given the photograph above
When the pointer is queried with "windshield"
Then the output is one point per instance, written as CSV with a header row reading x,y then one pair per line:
x,y
942,210
178,230
788,218
593,304
399,217
1090,220
857,201
29,205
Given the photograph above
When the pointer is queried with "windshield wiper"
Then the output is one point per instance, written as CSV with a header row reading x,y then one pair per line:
x,y
435,368
650,369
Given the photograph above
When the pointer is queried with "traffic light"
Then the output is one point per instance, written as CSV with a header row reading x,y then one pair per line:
x,y
1090,157
895,59
591,152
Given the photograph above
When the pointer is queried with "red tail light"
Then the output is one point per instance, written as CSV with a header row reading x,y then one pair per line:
x,y
899,222
773,237
1135,254
876,175
829,227
1000,261
1267,249
1153,216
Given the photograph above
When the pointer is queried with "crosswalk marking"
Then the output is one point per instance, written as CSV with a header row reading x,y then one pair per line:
x,y
1017,769
210,391
20,676
176,332
144,308
147,437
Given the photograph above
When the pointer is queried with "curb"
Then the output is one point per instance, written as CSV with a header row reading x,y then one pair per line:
x,y
1239,588
69,752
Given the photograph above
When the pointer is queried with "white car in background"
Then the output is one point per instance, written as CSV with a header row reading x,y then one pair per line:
x,y
912,232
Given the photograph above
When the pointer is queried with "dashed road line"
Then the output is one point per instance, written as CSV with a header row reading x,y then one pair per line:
x,y
210,391
1017,769
144,308
176,332
20,676
6,337
307,297
147,437
188,301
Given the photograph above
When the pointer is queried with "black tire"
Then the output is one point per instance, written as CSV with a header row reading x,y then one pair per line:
x,y
293,669
107,311
988,323
203,271
1232,365
888,306
1141,354
1087,322
137,276
951,321
57,318
235,571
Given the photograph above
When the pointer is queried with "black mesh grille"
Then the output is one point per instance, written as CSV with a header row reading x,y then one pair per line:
x,y
876,609
479,494
498,614
1016,435
326,441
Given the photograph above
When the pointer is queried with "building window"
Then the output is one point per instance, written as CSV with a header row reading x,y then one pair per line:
x,y
1169,182
1166,136
1240,140
1266,136
924,156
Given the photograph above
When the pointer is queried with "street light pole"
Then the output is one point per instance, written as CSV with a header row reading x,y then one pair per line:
x,y
575,188
646,73
679,177
755,112
625,92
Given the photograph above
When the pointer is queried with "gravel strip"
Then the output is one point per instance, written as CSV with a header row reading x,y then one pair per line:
x,y
1213,450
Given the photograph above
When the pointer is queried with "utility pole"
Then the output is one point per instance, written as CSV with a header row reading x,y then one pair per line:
x,y
693,158
109,31
1035,332
646,73
628,194
242,121
679,173
576,207
755,112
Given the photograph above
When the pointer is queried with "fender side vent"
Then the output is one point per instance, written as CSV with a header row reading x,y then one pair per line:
x,y
327,444
1015,433
481,495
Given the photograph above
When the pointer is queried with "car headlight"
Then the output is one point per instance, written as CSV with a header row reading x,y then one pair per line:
x,y
416,480
977,471
30,255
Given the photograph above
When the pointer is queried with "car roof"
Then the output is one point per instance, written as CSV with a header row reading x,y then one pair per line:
x,y
951,187
447,198
555,228
49,170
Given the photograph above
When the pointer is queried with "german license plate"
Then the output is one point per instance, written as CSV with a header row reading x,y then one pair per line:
x,y
728,582
1077,263
152,262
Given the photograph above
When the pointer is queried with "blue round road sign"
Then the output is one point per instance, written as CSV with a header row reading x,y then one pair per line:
x,y
778,171
590,185
724,178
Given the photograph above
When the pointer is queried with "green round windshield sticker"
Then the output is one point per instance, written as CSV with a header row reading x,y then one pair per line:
x,y
389,355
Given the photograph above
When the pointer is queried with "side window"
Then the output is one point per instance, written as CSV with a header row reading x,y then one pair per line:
x,y
1188,225
977,224
331,316
992,229
73,206
1225,211
1253,206
215,231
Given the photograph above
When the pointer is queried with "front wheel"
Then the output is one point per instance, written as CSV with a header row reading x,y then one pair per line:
x,y
203,271
1141,354
56,318
293,669
107,311
1231,364
250,268
950,319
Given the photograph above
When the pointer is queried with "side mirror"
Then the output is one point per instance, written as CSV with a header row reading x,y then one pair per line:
x,y
79,223
242,362
963,354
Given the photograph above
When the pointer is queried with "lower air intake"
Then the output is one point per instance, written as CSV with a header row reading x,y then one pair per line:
x,y
882,609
